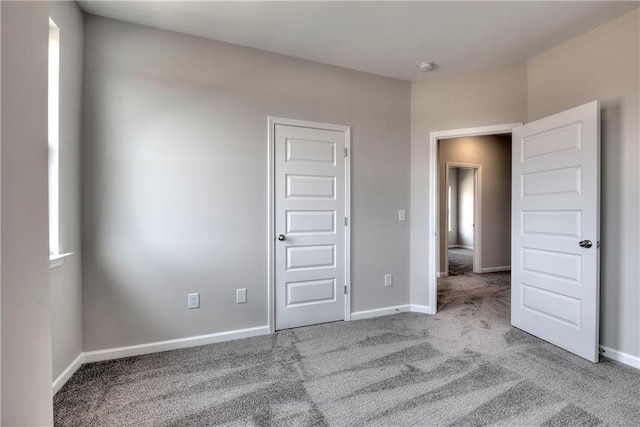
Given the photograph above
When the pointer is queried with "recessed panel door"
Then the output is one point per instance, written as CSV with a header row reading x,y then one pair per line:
x,y
309,225
556,229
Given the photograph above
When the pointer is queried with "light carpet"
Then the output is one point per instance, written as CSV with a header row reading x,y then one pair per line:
x,y
465,366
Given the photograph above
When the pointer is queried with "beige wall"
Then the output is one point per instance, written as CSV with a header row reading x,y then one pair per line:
x,y
603,65
493,154
482,98
26,313
66,281
174,179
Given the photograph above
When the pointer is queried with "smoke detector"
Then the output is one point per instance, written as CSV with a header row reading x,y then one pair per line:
x,y
425,67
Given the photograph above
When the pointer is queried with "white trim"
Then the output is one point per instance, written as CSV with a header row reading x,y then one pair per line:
x,y
432,229
347,228
155,347
442,274
271,122
58,260
385,311
377,312
426,309
619,356
68,373
271,272
496,269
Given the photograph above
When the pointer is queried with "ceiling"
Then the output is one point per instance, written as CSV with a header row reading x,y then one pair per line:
x,y
386,38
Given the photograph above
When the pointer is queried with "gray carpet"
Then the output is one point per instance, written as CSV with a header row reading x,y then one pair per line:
x,y
460,261
466,366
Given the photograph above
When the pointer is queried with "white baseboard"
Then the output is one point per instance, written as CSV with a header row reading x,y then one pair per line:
x,y
496,269
67,373
385,311
443,274
155,347
426,309
377,312
619,356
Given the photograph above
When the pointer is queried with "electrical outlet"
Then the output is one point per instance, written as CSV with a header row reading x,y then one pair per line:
x,y
388,280
402,215
193,300
241,296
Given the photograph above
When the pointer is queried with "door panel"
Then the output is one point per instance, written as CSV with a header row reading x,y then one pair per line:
x,y
309,218
556,205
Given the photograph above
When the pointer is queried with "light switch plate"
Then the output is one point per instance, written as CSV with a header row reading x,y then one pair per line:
x,y
388,280
193,300
402,215
241,296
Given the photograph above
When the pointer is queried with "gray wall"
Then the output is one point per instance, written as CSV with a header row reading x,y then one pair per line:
x,y
493,154
26,314
66,281
482,98
174,193
465,207
603,65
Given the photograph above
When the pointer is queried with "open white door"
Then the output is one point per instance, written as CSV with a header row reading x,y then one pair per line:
x,y
556,229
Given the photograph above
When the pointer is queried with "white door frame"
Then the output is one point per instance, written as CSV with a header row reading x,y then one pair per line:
x,y
434,222
477,217
271,237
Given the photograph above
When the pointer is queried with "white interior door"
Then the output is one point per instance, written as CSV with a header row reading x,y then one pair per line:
x,y
556,229
310,200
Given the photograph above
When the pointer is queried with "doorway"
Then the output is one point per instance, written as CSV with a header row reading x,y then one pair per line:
x,y
555,226
437,177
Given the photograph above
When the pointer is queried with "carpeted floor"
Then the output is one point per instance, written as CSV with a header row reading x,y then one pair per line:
x,y
460,261
464,366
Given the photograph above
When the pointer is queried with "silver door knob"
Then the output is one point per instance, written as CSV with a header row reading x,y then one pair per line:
x,y
281,237
585,244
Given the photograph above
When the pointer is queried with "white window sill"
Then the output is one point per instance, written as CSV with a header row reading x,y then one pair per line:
x,y
58,260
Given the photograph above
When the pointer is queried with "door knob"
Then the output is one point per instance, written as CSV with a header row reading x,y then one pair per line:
x,y
281,237
585,244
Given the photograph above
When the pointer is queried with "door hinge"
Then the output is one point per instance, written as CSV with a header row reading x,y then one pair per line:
x,y
346,152
346,290
346,221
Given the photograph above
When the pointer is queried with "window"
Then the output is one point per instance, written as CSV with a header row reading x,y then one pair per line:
x,y
55,257
54,120
449,209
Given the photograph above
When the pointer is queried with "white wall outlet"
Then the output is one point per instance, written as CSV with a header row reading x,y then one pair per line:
x,y
388,279
193,300
402,215
241,296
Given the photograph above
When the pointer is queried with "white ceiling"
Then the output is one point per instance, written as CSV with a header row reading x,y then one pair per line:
x,y
386,38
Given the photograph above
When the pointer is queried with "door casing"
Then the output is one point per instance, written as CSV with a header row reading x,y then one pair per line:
x,y
271,237
434,207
